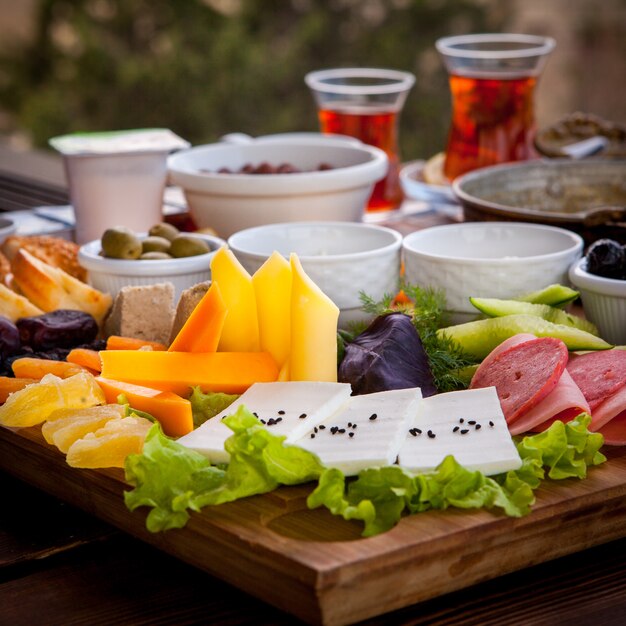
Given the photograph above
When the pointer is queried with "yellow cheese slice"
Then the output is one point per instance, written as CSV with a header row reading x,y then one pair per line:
x,y
314,319
272,288
241,329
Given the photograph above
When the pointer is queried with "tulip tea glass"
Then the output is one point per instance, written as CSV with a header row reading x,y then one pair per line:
x,y
365,103
492,82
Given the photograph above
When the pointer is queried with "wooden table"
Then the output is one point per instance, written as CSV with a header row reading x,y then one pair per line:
x,y
61,566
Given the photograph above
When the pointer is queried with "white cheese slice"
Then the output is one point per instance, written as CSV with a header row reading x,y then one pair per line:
x,y
367,432
466,424
288,408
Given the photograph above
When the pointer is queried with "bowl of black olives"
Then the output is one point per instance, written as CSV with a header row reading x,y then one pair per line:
x,y
600,276
164,254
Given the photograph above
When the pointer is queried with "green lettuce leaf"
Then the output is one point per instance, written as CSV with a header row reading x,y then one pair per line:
x,y
204,406
172,479
380,496
168,477
565,450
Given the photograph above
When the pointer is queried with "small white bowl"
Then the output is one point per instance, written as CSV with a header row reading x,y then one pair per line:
x,y
604,301
342,258
488,259
110,275
232,202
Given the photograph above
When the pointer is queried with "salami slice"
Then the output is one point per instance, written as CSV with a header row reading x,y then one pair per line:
x,y
524,374
599,374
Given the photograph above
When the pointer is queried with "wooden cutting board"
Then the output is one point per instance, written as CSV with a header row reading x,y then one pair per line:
x,y
317,566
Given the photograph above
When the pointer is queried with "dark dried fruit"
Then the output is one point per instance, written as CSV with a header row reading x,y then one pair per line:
x,y
9,338
607,258
62,328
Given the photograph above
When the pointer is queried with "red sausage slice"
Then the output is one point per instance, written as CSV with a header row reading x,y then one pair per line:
x,y
599,374
524,374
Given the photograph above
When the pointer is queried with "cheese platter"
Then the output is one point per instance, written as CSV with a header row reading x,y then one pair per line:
x,y
282,543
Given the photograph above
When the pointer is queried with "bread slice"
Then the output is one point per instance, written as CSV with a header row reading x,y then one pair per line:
x,y
187,302
51,250
142,312
51,288
14,306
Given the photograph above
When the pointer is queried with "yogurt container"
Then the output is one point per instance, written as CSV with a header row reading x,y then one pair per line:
x,y
116,178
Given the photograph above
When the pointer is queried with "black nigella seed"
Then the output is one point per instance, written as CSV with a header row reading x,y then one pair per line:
x,y
478,427
315,430
255,414
418,431
341,431
455,429
322,427
334,429
471,422
353,426
281,412
373,416
431,434
464,431
349,424
262,421
350,434
461,420
312,435
302,416
490,423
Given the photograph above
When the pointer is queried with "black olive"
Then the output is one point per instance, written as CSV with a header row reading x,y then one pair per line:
x,y
606,258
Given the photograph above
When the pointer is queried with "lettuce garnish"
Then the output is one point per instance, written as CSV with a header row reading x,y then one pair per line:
x,y
204,406
173,479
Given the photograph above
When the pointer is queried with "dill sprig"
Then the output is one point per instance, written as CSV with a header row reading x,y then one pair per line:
x,y
448,362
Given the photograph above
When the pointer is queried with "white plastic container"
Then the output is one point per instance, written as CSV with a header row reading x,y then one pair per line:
x,y
604,301
116,178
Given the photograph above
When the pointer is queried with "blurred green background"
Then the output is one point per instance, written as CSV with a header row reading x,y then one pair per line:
x,y
205,68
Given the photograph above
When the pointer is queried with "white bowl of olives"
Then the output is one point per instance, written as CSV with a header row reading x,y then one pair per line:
x,y
121,257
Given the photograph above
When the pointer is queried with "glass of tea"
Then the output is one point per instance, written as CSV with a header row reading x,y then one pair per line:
x,y
492,80
365,103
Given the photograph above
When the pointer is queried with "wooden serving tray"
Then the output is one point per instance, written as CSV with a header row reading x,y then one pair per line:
x,y
317,566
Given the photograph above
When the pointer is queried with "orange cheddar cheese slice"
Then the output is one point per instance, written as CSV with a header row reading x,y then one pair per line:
x,y
173,412
203,328
178,372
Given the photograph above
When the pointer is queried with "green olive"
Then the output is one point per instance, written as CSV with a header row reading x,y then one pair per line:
x,y
120,243
163,229
188,245
155,244
154,255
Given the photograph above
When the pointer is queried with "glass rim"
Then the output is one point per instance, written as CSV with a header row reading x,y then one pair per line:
x,y
399,81
537,45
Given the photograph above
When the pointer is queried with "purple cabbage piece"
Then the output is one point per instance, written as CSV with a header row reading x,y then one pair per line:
x,y
387,355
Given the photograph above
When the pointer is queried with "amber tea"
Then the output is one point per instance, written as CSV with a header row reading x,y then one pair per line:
x,y
365,103
492,81
376,127
492,122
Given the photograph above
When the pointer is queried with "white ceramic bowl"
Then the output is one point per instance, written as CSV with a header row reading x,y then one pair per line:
x,y
231,202
604,301
488,259
342,258
110,275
